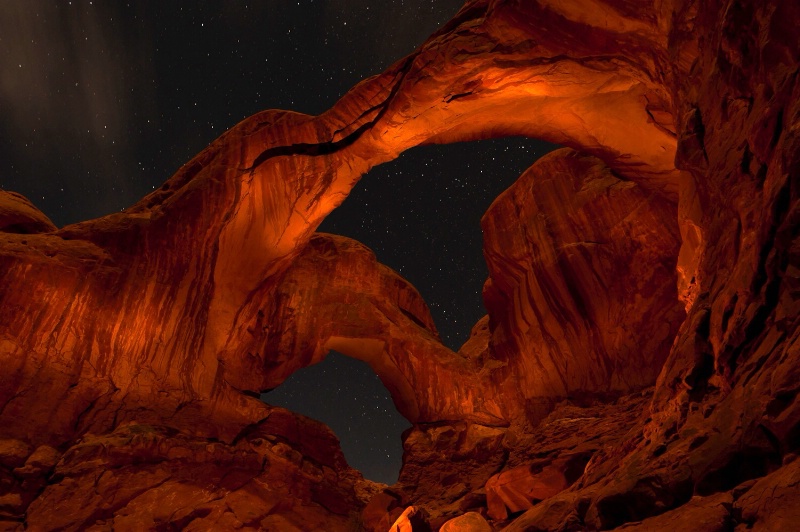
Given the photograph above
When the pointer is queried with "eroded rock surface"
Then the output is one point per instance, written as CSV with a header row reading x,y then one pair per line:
x,y
581,294
19,215
285,473
133,346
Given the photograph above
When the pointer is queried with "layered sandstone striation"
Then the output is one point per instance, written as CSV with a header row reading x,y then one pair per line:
x,y
582,308
638,366
581,294
364,310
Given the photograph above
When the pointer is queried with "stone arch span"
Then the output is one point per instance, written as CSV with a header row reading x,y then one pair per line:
x,y
191,327
607,104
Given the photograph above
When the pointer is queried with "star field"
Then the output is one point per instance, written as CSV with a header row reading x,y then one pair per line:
x,y
100,102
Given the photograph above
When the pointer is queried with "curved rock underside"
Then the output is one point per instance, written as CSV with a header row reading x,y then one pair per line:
x,y
638,366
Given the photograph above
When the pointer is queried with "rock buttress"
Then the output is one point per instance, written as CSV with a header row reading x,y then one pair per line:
x,y
581,294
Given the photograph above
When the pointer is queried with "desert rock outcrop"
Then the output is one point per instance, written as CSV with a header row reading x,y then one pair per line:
x,y
641,345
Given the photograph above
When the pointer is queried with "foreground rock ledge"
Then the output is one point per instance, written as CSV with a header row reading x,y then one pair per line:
x,y
133,346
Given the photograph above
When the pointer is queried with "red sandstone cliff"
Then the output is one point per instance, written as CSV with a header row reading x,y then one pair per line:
x,y
639,363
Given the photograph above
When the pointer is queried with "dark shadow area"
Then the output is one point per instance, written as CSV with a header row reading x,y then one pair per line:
x,y
345,394
421,215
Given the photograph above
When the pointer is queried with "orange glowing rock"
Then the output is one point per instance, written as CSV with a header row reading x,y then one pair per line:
x,y
469,522
517,489
661,251
581,294
407,520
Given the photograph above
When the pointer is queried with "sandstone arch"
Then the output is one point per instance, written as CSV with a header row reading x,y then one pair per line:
x,y
246,206
104,324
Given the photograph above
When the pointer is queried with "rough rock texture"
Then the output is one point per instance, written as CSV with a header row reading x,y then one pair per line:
x,y
518,489
18,215
581,294
710,514
287,473
364,310
134,345
469,522
582,305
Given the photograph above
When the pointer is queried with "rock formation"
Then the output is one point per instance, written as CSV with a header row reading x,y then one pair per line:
x,y
638,366
581,295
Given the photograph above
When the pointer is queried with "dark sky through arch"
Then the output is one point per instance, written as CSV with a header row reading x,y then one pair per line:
x,y
345,394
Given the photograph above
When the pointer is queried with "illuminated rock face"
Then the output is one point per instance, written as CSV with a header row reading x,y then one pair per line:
x,y
364,310
581,294
286,473
133,346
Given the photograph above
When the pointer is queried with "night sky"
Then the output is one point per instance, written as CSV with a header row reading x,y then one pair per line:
x,y
101,101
